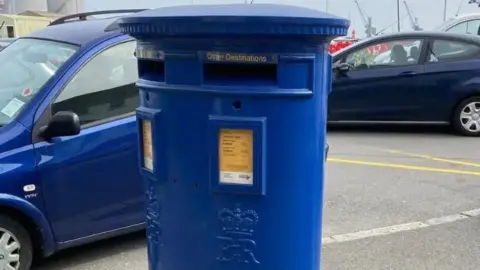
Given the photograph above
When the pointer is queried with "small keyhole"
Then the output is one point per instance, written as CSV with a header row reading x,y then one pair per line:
x,y
147,96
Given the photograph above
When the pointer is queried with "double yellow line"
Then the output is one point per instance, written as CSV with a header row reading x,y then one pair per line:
x,y
414,168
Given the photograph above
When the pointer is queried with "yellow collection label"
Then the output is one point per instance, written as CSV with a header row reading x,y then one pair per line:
x,y
147,144
236,156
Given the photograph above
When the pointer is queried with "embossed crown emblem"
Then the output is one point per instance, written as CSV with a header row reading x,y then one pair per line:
x,y
238,220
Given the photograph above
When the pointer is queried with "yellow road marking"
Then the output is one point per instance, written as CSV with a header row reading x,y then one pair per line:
x,y
402,166
458,162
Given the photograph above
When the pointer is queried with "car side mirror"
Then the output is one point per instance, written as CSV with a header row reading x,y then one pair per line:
x,y
61,124
344,67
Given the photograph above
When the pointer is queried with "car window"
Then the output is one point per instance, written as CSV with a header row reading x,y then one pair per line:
x,y
460,28
386,54
4,43
104,88
473,27
25,68
448,50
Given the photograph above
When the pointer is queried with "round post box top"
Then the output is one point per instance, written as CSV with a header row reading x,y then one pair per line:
x,y
233,20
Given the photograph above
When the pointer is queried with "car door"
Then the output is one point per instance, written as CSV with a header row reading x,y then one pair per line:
x,y
382,81
449,74
91,182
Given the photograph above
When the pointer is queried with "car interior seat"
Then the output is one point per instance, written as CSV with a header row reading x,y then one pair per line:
x,y
414,53
399,55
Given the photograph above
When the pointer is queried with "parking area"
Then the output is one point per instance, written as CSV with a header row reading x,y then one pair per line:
x,y
395,198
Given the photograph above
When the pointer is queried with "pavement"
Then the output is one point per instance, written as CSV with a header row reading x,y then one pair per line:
x,y
395,198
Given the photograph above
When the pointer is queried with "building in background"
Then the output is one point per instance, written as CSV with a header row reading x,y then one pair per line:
x,y
17,6
65,6
21,17
14,26
51,6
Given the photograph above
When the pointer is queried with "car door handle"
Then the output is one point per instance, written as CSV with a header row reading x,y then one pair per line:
x,y
408,73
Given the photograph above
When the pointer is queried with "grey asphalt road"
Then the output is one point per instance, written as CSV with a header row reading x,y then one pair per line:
x,y
375,178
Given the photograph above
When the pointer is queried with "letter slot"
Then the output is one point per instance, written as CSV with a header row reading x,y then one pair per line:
x,y
240,74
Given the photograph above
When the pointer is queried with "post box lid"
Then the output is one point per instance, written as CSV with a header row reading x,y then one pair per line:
x,y
233,20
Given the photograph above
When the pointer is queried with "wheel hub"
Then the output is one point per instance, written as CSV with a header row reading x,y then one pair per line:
x,y
9,251
470,117
3,262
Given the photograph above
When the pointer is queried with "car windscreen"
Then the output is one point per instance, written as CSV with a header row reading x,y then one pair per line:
x,y
25,66
4,44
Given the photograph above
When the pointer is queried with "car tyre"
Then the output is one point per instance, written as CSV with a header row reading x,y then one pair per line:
x,y
13,234
466,117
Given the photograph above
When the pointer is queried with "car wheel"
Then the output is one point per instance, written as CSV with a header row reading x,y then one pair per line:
x,y
466,118
16,251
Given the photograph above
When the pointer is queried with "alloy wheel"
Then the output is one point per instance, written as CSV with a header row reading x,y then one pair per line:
x,y
9,251
470,117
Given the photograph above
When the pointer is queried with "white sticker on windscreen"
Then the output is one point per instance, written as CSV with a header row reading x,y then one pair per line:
x,y
12,107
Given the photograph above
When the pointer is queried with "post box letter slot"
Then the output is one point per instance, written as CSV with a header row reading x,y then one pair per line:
x,y
240,73
152,70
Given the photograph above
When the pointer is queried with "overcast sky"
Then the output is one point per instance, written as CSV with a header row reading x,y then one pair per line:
x,y
383,12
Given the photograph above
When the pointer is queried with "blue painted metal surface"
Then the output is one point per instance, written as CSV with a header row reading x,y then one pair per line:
x,y
210,77
87,187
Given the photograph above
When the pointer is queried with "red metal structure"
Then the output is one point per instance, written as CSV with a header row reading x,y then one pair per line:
x,y
338,44
342,42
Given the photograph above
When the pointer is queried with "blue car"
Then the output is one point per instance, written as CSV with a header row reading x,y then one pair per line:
x,y
68,139
422,77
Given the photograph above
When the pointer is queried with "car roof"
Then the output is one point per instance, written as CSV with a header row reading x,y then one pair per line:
x,y
434,34
420,34
83,30
78,33
464,17
457,20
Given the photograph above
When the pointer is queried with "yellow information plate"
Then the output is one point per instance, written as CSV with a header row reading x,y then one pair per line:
x,y
236,156
147,144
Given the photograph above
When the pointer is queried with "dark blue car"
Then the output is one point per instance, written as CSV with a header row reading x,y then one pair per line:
x,y
68,139
423,77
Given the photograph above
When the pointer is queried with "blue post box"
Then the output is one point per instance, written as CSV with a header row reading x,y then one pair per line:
x,y
232,127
